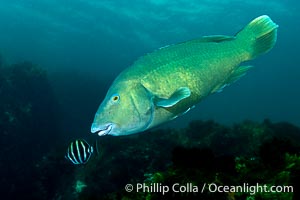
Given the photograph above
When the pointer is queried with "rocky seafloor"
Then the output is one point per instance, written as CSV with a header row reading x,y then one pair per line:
x,y
205,152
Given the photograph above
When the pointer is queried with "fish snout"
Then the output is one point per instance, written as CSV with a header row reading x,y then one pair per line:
x,y
102,130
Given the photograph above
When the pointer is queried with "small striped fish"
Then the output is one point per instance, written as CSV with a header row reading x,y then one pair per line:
x,y
79,152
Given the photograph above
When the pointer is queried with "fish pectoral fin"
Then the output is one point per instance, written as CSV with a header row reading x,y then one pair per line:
x,y
236,75
180,94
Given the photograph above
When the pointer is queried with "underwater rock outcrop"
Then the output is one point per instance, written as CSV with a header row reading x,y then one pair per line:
x,y
204,152
28,118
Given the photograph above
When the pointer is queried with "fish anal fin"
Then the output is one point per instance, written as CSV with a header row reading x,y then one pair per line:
x,y
236,75
219,88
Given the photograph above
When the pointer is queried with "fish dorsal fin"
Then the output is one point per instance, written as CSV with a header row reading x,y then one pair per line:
x,y
236,75
180,94
205,39
212,38
168,53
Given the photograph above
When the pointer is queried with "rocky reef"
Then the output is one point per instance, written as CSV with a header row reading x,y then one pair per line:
x,y
28,118
245,154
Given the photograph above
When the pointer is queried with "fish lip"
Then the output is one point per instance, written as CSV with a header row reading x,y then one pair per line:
x,y
105,131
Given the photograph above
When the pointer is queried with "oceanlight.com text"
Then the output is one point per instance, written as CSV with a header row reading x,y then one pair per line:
x,y
206,187
251,189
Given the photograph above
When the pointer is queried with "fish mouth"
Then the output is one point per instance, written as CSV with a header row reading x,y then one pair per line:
x,y
104,131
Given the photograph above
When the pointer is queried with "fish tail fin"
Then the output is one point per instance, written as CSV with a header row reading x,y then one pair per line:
x,y
258,37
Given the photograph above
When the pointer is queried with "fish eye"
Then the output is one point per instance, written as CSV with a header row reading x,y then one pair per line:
x,y
115,98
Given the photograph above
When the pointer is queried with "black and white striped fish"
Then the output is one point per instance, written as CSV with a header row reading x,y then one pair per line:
x,y
79,152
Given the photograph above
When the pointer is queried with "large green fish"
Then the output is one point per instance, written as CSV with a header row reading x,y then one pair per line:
x,y
167,83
